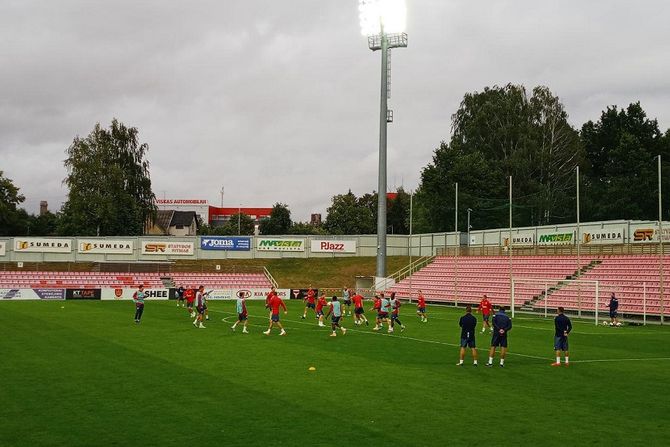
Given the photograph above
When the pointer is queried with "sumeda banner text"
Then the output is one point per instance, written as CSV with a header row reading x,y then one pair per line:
x,y
280,244
40,245
225,243
99,246
331,246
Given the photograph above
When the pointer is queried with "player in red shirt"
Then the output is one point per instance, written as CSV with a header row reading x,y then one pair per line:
x,y
189,294
485,308
421,308
275,303
320,304
310,300
268,298
359,312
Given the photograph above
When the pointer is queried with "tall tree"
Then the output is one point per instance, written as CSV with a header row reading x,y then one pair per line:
x,y
279,221
109,184
350,215
239,223
13,220
497,133
622,179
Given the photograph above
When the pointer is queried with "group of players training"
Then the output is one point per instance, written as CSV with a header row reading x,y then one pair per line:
x,y
387,311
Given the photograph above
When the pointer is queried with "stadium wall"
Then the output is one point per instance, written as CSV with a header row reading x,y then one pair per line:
x,y
169,248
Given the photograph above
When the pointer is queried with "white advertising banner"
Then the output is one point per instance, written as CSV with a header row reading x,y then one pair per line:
x,y
602,237
250,294
100,246
168,248
127,294
32,294
645,234
269,244
519,238
2,248
42,245
331,246
545,237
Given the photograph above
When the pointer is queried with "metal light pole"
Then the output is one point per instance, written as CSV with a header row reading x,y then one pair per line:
x,y
660,239
469,211
509,248
458,249
411,199
579,265
383,23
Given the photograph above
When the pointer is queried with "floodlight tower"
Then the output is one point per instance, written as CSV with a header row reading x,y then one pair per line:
x,y
383,22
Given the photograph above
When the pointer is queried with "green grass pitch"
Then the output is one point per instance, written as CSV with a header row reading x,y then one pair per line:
x,y
83,374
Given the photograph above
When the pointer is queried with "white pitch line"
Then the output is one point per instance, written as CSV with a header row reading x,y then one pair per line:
x,y
402,337
620,360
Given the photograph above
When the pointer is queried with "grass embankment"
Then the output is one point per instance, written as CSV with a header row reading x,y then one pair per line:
x,y
290,272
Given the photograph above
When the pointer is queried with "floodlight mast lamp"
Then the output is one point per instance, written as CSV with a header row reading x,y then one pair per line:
x,y
374,14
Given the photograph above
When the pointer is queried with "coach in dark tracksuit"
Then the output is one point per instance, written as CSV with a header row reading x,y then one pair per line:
x,y
468,322
563,327
502,324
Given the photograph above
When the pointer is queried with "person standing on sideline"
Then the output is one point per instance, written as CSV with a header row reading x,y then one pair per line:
x,y
274,304
346,297
563,328
421,307
395,313
485,307
320,304
614,306
242,314
502,324
180,296
138,298
336,310
201,307
468,322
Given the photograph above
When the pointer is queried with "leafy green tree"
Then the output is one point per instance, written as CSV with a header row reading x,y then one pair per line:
x,y
497,133
622,177
13,220
350,215
397,213
43,224
109,184
246,226
279,221
306,228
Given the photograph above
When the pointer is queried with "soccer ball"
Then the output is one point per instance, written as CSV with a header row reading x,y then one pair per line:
x,y
605,323
618,323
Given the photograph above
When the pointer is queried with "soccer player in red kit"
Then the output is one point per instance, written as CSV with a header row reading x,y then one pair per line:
x,y
359,312
268,298
485,307
320,304
310,301
421,308
189,294
275,303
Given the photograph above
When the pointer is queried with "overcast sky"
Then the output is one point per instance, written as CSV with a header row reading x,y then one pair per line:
x,y
278,101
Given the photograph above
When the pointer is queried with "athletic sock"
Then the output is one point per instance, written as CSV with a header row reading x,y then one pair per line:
x,y
558,360
460,362
502,362
567,359
475,362
490,359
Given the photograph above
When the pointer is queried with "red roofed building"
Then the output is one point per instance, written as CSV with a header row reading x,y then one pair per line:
x,y
219,216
